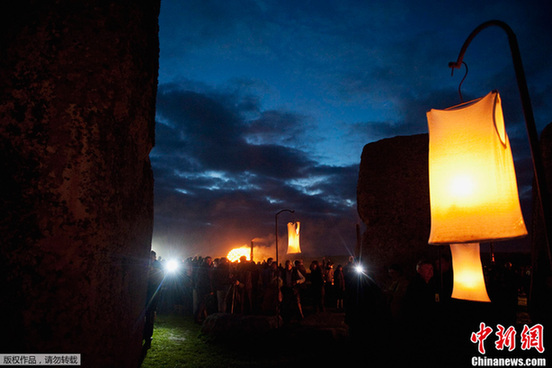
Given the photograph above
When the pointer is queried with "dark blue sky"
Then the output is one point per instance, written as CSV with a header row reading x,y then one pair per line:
x,y
265,105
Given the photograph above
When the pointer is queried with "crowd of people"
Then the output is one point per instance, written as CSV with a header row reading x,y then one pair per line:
x,y
203,285
200,286
412,309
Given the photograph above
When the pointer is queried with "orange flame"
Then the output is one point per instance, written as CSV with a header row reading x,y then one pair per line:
x,y
236,253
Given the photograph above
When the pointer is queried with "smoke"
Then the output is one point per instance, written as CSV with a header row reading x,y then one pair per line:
x,y
263,248
264,240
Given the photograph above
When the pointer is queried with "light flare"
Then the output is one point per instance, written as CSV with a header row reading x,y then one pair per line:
x,y
172,266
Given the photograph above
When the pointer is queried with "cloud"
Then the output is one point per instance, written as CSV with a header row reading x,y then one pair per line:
x,y
220,176
276,127
267,104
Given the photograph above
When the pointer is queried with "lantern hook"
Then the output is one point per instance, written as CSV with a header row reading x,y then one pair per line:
x,y
462,81
538,166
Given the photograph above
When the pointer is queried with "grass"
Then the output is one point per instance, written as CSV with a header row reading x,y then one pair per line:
x,y
178,342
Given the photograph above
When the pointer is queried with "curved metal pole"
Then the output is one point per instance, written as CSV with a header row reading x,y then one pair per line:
x,y
538,167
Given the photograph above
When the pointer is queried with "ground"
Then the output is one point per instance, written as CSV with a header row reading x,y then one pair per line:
x,y
319,338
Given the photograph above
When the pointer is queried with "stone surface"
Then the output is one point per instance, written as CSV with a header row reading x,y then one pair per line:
x,y
77,107
393,203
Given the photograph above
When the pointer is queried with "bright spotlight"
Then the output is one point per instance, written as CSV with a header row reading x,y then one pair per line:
x,y
171,266
359,269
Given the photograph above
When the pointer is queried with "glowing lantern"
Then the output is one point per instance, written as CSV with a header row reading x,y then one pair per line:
x,y
469,283
293,237
235,254
472,185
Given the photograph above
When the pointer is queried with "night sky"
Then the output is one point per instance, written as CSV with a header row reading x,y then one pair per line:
x,y
266,105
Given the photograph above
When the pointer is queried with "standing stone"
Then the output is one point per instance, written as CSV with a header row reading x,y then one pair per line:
x,y
393,203
77,106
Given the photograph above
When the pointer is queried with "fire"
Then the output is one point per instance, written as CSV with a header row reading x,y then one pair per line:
x,y
236,253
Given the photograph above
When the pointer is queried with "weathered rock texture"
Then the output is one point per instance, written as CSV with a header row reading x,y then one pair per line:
x,y
393,203
77,105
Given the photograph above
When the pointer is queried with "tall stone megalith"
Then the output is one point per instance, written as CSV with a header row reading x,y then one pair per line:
x,y
77,106
393,203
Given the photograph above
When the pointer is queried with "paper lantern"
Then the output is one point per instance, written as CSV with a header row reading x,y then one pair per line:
x,y
469,282
293,237
472,182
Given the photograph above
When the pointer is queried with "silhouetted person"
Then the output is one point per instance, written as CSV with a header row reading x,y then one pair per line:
x,y
366,311
445,280
503,286
291,299
155,279
317,286
267,274
328,275
421,310
221,283
395,292
272,284
204,288
339,285
245,285
349,267
300,266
